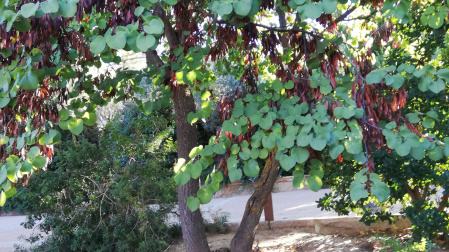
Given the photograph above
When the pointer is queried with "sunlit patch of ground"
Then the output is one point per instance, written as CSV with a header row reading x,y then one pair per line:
x,y
298,240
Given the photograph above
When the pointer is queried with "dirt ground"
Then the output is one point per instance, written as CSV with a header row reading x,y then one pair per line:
x,y
297,240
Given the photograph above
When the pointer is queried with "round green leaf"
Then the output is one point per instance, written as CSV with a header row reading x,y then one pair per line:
x,y
192,118
329,6
217,176
269,141
138,11
193,203
251,168
194,169
313,10
413,117
266,123
64,114
375,76
303,139
298,178
235,175
39,161
4,102
117,41
89,118
444,74
204,196
50,6
424,83
336,150
97,45
437,86
263,153
353,147
76,126
300,154
224,9
286,142
156,27
220,148
145,42
242,7
418,153
182,177
53,137
436,21
357,191
287,162
29,81
26,167
318,143
380,190
436,153
403,149
325,89
428,122
254,153
314,183
29,9
33,152
22,25
67,8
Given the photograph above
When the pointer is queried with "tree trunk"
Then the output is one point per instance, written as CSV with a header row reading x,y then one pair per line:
x,y
193,231
244,237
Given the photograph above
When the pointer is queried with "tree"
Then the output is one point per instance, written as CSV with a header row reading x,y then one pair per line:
x,y
311,87
419,183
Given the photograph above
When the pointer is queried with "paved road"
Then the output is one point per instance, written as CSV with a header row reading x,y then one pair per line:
x,y
290,205
10,232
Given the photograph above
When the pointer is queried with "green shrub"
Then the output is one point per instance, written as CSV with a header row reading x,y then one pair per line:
x,y
115,194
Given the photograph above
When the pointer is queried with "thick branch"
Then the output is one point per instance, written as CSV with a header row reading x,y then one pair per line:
x,y
414,193
244,237
153,59
283,24
444,202
424,193
344,15
169,32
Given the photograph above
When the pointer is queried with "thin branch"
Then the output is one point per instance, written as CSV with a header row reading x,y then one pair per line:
x,y
293,29
359,18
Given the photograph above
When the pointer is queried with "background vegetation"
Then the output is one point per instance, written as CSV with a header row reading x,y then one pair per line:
x,y
108,190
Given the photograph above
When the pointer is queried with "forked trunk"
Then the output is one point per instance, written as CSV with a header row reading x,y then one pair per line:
x,y
193,231
244,237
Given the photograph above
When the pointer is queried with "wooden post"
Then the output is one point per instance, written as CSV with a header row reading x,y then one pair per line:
x,y
268,210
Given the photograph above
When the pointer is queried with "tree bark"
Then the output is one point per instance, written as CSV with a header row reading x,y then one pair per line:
x,y
444,202
193,231
192,225
244,237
